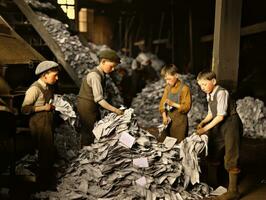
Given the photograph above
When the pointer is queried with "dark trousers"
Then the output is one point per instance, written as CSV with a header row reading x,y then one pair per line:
x,y
41,125
225,139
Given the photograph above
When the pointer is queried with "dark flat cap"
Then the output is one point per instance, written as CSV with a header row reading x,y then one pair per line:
x,y
44,66
110,55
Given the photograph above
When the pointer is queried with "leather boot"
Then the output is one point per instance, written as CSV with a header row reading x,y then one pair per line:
x,y
232,192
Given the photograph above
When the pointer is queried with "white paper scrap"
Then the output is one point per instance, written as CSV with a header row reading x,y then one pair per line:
x,y
97,133
218,191
141,162
141,181
169,142
126,139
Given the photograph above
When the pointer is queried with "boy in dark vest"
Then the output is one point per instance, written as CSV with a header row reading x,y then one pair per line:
x,y
175,103
91,95
224,129
37,104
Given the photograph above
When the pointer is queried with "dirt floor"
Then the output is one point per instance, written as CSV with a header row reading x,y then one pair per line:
x,y
252,179
253,161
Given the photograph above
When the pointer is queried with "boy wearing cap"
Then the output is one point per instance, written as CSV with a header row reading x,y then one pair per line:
x,y
91,95
224,129
37,105
175,103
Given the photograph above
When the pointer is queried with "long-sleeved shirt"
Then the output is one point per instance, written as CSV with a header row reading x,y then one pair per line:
x,y
94,81
185,97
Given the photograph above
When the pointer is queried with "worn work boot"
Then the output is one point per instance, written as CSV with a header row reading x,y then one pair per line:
x,y
232,192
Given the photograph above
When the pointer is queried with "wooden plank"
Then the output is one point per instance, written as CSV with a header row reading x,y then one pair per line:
x,y
253,29
172,32
127,31
225,61
13,48
248,30
160,33
141,42
45,35
191,40
160,41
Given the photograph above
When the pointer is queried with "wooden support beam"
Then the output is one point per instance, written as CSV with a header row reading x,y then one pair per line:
x,y
225,60
141,42
45,35
248,30
172,32
253,29
206,38
14,49
127,32
160,33
160,41
191,40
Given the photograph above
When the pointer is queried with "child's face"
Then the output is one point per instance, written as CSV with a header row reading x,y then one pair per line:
x,y
108,66
171,79
207,86
51,77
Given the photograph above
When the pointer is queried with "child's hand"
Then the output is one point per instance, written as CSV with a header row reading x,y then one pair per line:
x,y
200,125
119,112
169,102
165,120
200,131
48,107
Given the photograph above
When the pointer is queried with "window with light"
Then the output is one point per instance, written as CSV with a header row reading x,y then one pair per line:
x,y
83,20
68,7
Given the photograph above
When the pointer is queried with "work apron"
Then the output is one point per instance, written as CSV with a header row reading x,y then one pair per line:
x,y
178,128
88,110
41,126
89,113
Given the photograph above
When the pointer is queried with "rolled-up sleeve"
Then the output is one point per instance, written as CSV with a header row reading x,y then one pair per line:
x,y
222,102
94,80
164,97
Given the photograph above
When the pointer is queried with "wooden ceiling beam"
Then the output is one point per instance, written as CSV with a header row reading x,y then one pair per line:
x,y
248,30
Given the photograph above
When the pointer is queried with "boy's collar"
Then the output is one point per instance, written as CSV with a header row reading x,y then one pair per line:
x,y
43,84
100,70
177,83
214,90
